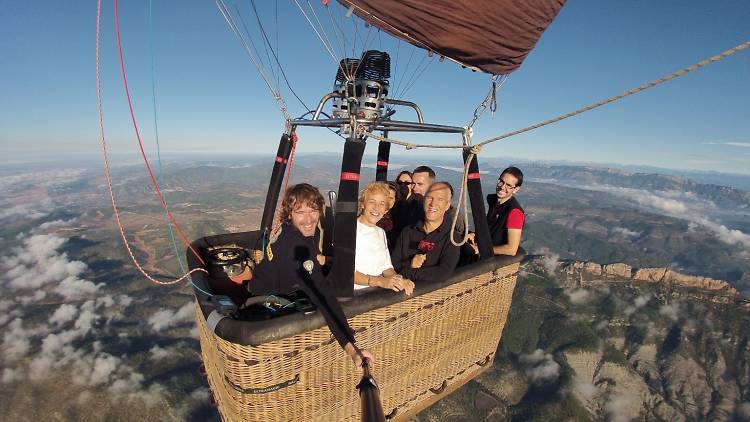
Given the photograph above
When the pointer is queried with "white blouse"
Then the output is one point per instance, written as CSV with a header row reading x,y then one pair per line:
x,y
372,256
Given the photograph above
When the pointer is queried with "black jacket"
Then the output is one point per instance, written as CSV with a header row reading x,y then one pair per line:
x,y
441,258
281,272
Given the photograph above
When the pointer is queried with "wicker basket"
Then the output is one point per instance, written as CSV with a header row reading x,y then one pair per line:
x,y
425,347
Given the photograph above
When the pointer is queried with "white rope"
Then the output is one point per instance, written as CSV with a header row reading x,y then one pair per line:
x,y
676,74
628,93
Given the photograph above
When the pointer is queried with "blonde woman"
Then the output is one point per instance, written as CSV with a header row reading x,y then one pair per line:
x,y
372,261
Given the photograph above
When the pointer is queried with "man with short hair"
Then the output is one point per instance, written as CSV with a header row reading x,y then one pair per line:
x,y
423,251
422,177
505,217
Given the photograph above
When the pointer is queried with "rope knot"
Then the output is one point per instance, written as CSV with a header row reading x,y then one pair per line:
x,y
475,149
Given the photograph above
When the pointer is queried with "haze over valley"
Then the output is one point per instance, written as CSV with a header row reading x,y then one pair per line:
x,y
86,337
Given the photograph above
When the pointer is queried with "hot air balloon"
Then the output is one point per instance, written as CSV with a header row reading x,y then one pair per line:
x,y
284,364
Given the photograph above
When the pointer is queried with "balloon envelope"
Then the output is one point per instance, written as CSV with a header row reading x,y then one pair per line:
x,y
491,36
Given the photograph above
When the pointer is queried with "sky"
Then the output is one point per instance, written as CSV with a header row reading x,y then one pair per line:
x,y
209,97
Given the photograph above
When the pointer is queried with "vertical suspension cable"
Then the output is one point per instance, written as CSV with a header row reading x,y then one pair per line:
x,y
257,50
276,57
233,26
177,254
107,173
155,185
339,33
417,73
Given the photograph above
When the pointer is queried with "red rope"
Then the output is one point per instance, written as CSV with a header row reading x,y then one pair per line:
x,y
107,171
154,184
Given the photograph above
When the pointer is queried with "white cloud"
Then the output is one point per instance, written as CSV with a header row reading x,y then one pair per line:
x,y
38,263
683,205
132,388
587,389
66,312
578,296
550,260
95,369
620,407
16,342
743,410
55,224
159,353
165,318
625,232
27,211
197,397
639,302
642,300
542,368
672,311
10,375
730,143
51,178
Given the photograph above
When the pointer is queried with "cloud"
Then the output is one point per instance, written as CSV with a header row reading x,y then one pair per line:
x,y
639,302
63,314
29,211
542,368
55,224
95,369
642,300
195,399
20,182
165,318
158,353
625,232
10,375
578,296
38,262
622,408
132,388
549,260
683,205
16,342
730,143
587,389
743,410
672,311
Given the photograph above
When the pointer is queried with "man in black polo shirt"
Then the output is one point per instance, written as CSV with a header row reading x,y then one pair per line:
x,y
423,251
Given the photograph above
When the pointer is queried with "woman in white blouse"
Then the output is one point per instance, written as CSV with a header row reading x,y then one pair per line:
x,y
372,262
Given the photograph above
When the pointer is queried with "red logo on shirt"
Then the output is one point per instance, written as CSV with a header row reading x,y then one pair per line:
x,y
425,246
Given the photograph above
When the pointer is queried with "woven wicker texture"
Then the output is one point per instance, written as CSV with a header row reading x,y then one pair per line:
x,y
436,339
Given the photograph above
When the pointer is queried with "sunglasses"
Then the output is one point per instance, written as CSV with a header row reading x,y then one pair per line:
x,y
501,183
404,183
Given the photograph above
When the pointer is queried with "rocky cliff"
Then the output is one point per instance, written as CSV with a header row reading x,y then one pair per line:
x,y
619,272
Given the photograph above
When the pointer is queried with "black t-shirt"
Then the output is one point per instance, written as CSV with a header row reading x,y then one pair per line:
x,y
497,218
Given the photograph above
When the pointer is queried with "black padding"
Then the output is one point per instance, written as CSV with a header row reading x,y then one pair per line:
x,y
384,151
476,198
274,186
345,222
